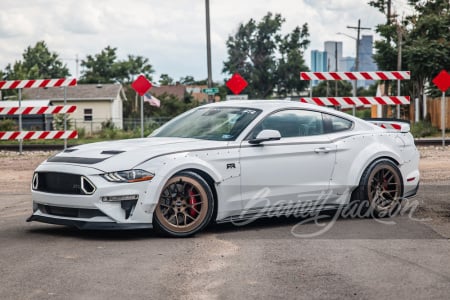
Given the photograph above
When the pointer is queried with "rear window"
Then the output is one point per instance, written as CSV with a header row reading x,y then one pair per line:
x,y
336,124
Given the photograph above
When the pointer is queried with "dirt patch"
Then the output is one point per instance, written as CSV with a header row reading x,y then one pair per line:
x,y
17,170
434,164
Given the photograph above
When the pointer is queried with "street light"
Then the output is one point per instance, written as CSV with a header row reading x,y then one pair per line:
x,y
208,49
355,82
356,59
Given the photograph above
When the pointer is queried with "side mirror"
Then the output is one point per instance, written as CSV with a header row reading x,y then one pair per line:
x,y
266,135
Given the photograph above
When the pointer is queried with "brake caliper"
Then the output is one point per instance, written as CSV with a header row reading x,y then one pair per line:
x,y
192,202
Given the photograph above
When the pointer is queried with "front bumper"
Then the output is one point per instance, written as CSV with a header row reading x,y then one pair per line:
x,y
88,225
92,211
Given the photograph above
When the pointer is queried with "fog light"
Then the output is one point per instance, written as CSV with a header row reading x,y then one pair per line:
x,y
119,198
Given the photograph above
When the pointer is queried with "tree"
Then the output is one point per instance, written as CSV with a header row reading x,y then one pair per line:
x,y
425,39
291,62
38,63
128,70
328,89
188,80
266,59
165,79
100,67
105,68
427,47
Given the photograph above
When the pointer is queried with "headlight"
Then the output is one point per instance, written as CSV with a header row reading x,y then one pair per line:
x,y
128,176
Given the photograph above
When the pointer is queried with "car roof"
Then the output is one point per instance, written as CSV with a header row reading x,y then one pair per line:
x,y
263,104
270,105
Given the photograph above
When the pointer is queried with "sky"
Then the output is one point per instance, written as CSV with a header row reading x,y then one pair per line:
x,y
171,33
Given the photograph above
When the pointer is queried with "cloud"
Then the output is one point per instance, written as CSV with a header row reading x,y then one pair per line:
x,y
170,33
14,24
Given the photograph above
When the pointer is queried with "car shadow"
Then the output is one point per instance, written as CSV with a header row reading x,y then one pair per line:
x,y
276,227
137,234
103,235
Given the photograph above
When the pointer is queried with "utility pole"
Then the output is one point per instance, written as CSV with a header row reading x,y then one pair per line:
x,y
388,40
208,49
399,63
336,68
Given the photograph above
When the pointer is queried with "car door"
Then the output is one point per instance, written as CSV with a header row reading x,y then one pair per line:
x,y
294,170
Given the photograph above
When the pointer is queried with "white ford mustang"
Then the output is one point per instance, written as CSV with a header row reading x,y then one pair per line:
x,y
228,161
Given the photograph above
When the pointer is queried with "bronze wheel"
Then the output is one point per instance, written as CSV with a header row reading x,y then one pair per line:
x,y
385,187
185,205
380,190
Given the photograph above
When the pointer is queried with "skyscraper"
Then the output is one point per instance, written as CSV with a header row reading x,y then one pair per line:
x,y
319,63
366,62
334,53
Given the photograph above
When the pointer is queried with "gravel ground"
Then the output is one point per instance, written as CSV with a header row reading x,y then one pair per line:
x,y
434,164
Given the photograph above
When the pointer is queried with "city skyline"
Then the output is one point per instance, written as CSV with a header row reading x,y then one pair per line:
x,y
325,60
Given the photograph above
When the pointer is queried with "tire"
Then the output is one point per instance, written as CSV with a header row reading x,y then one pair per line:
x,y
380,190
185,206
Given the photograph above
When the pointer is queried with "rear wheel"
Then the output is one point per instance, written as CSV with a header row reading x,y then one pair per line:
x,y
185,205
380,189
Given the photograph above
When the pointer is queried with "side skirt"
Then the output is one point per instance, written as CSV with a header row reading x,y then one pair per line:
x,y
279,211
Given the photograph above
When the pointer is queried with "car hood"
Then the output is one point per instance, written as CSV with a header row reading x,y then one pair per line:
x,y
126,154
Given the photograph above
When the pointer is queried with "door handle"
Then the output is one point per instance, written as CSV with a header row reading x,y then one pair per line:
x,y
322,150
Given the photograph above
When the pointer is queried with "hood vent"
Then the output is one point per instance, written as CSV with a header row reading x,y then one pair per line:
x,y
76,160
112,152
70,150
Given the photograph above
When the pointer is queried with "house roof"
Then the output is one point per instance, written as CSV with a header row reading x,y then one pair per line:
x,y
78,92
176,90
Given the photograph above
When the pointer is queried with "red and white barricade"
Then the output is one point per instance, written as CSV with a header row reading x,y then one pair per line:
x,y
39,110
38,135
37,83
382,75
357,101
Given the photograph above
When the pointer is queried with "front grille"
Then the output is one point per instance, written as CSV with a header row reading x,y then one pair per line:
x,y
62,183
70,212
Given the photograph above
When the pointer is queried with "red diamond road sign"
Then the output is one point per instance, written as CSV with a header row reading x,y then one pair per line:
x,y
442,81
141,85
236,83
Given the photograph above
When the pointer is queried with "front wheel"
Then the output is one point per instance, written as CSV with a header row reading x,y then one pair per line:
x,y
380,189
185,205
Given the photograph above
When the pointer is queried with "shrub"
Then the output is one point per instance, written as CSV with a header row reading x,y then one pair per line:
x,y
81,133
7,125
58,122
108,125
423,129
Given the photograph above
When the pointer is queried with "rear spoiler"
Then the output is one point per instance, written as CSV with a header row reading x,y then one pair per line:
x,y
391,124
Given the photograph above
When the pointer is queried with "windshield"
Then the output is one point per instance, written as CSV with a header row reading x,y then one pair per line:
x,y
210,123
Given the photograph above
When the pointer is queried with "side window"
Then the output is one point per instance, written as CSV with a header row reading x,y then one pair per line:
x,y
88,114
292,123
336,124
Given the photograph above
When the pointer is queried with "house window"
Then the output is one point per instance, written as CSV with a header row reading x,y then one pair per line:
x,y
88,114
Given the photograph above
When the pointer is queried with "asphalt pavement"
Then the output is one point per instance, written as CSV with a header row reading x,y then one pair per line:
x,y
277,258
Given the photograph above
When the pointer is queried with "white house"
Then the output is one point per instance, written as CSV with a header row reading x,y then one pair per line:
x,y
96,103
